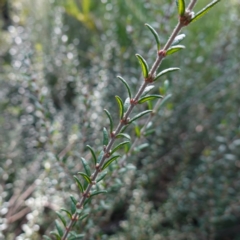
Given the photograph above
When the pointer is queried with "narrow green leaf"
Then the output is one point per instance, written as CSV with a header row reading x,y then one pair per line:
x,y
100,156
150,105
137,131
97,192
59,228
106,164
120,105
124,135
118,146
140,147
86,166
126,104
181,7
164,101
67,212
93,154
149,98
178,39
165,71
46,237
204,10
166,85
140,115
126,85
149,132
73,199
62,219
55,235
105,137
76,236
103,175
153,31
86,177
83,216
79,184
174,49
147,89
110,119
143,64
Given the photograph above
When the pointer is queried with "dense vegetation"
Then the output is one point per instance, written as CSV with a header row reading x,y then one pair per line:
x,y
59,62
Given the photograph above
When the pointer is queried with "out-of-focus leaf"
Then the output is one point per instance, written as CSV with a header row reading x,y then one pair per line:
x,y
97,192
86,166
110,119
106,164
149,98
126,85
56,235
118,146
143,64
79,184
155,34
165,71
100,156
105,137
67,212
174,49
164,101
59,228
140,115
103,175
93,154
120,106
137,131
62,219
126,104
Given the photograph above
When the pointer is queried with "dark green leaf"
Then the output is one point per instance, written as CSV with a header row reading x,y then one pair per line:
x,y
93,154
147,89
137,131
143,64
164,101
165,71
59,228
140,115
153,31
86,177
79,184
126,104
126,85
174,49
61,218
100,156
181,7
178,39
149,98
118,146
83,216
149,132
110,119
102,176
67,212
106,164
105,137
86,166
55,235
140,147
204,10
124,135
97,192
120,105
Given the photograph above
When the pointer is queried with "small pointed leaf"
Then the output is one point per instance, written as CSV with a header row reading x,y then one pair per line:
x,y
204,10
97,192
62,219
93,154
137,131
46,237
181,7
105,137
59,228
164,101
100,156
149,98
153,31
110,119
86,177
126,85
55,235
106,164
178,39
143,64
165,71
140,115
67,212
127,103
118,146
83,216
124,135
174,49
86,166
140,147
147,89
103,175
79,184
120,105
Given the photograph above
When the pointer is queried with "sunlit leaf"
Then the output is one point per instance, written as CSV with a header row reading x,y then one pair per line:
x,y
120,105
126,85
140,115
204,10
110,119
165,71
149,98
119,146
105,137
174,49
155,34
106,164
79,184
143,64
181,7
93,154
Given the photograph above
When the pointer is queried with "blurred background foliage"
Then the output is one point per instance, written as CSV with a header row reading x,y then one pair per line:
x,y
59,62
